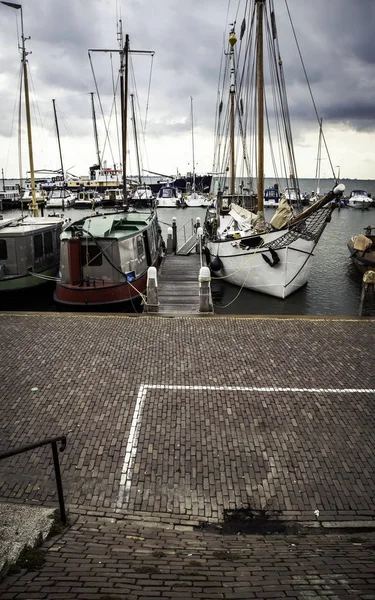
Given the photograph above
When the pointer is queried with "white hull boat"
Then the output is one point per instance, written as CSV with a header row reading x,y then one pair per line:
x,y
359,199
61,198
241,248
196,200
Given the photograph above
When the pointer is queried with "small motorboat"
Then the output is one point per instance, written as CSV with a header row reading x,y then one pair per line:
x,y
359,199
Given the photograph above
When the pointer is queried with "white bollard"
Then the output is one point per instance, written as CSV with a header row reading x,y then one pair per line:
x,y
198,245
152,290
170,241
204,289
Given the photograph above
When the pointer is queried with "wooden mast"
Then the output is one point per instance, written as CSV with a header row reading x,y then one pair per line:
x,y
260,102
232,41
124,115
58,138
34,206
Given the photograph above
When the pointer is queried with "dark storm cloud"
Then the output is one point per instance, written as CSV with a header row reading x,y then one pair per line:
x,y
337,46
335,37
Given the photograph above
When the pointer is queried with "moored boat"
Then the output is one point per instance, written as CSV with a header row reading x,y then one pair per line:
x,y
29,252
60,197
29,246
113,198
359,199
168,197
88,199
362,250
104,258
272,258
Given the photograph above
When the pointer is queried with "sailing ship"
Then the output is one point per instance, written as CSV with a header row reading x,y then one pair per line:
x,y
272,258
29,246
105,258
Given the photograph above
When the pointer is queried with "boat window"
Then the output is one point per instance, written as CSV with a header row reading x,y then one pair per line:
x,y
38,246
3,250
167,193
48,246
140,247
91,255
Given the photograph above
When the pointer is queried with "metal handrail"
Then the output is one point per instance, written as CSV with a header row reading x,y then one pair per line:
x,y
53,441
183,228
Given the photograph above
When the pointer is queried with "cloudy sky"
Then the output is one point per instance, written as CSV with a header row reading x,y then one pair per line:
x,y
337,43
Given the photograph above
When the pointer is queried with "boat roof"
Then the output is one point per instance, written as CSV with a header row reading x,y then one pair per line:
x,y
14,227
116,225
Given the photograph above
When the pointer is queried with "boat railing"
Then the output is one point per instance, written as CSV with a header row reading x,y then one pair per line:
x,y
53,441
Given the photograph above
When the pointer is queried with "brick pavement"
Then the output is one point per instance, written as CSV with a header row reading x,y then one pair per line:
x,y
174,457
199,451
108,559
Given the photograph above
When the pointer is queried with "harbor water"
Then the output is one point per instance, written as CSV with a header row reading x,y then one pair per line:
x,y
334,284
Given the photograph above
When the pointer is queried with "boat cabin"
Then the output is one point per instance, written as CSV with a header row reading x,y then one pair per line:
x,y
30,244
359,193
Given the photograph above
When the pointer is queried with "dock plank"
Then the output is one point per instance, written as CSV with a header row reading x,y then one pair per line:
x,y
178,286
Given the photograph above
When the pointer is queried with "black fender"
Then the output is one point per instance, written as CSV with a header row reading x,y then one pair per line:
x,y
216,264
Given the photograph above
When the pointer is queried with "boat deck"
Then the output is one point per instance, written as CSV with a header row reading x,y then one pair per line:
x,y
178,286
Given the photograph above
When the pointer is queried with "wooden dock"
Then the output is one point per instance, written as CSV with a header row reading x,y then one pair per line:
x,y
178,285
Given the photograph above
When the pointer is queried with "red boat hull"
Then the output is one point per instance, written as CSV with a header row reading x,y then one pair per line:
x,y
101,294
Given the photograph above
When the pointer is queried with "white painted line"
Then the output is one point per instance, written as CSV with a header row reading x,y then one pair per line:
x,y
132,445
240,388
131,450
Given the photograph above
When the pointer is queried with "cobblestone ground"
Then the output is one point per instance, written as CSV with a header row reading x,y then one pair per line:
x,y
186,450
100,559
182,420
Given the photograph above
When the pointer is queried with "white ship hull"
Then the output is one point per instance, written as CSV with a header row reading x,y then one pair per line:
x,y
247,268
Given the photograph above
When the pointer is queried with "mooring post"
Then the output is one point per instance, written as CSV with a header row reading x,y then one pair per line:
x,y
198,244
174,234
204,289
368,287
169,241
152,291
197,227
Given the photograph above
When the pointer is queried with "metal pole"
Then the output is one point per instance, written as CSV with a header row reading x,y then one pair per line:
x,y
174,235
59,482
95,130
58,139
136,138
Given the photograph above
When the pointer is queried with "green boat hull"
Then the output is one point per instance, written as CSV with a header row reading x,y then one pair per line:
x,y
27,281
